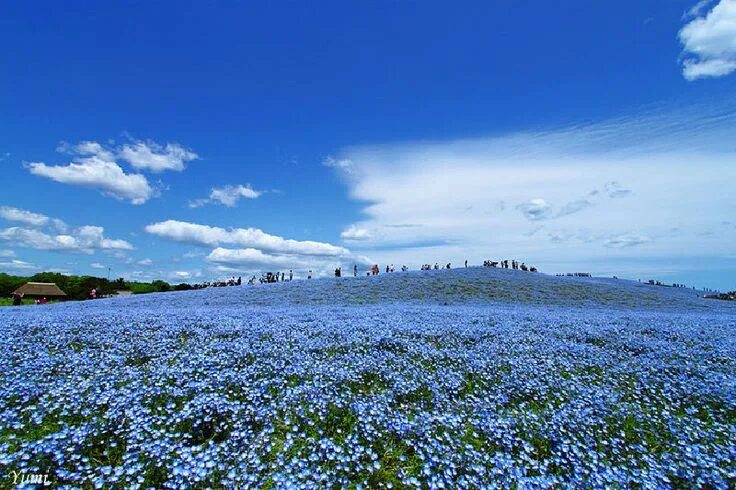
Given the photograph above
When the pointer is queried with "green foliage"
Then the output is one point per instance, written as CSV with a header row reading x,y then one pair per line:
x,y
79,287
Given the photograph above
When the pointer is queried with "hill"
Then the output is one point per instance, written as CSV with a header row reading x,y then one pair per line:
x,y
472,286
474,378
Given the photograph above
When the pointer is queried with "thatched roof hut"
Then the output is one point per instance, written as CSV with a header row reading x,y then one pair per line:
x,y
40,289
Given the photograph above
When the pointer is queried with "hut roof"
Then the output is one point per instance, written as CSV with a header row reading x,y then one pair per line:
x,y
40,289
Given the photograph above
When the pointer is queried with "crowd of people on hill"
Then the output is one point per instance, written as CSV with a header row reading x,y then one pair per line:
x,y
505,264
375,269
268,277
429,267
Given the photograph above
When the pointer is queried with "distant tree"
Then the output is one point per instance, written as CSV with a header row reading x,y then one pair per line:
x,y
161,286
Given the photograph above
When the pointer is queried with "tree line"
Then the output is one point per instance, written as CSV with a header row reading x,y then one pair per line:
x,y
79,287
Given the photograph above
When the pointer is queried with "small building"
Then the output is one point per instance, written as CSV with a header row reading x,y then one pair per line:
x,y
40,289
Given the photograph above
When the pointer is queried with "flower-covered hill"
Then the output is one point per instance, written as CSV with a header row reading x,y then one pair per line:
x,y
475,285
443,379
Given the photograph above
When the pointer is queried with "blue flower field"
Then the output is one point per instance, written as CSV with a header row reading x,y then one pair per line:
x,y
469,378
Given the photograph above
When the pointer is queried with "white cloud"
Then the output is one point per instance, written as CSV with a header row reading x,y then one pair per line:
x,y
58,236
156,158
344,164
450,192
535,209
616,190
697,9
709,42
23,216
538,209
7,253
17,265
213,236
182,274
97,265
627,240
250,250
574,207
95,167
145,262
251,257
228,195
86,239
355,233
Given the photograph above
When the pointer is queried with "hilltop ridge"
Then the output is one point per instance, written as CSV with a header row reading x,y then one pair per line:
x,y
472,286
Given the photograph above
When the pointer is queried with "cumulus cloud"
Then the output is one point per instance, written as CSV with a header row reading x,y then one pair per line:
x,y
97,265
355,233
238,250
709,42
151,156
95,167
212,236
85,239
251,257
234,260
7,253
21,215
228,195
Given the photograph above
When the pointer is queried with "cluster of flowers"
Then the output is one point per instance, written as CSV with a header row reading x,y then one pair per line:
x,y
185,389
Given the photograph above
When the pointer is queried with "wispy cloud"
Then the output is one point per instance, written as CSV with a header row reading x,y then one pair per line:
x,y
598,189
616,190
17,265
21,215
343,164
228,195
626,240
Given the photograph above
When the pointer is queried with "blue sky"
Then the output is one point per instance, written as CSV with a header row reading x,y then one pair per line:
x,y
191,142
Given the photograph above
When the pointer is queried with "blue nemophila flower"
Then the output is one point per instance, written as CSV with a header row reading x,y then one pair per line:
x,y
223,388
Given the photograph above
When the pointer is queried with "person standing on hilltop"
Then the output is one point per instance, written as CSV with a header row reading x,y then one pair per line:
x,y
291,275
466,263
355,270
